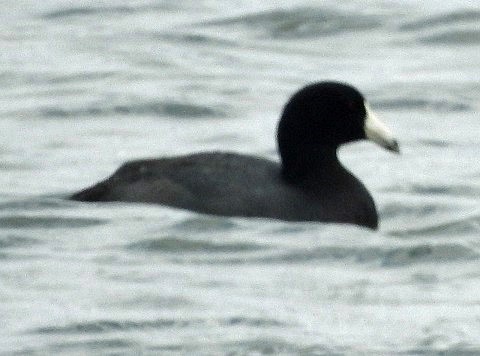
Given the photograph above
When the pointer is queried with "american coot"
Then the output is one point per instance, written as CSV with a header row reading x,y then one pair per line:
x,y
309,184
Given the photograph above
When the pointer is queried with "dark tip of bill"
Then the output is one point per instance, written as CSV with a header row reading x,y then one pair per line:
x,y
394,146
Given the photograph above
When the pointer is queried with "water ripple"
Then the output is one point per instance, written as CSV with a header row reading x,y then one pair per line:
x,y
394,256
301,22
46,222
255,322
428,349
422,104
105,11
454,28
107,346
34,204
196,39
453,37
464,225
174,244
272,346
430,189
435,143
106,326
204,223
395,209
433,253
153,108
443,20
87,11
17,241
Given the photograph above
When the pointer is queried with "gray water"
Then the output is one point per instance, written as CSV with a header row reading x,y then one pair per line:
x,y
87,85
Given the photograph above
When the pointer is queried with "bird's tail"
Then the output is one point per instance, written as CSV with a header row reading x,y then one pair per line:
x,y
98,192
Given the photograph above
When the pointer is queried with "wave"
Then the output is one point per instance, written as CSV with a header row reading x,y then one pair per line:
x,y
197,39
152,108
432,142
454,28
422,104
174,244
106,326
403,255
300,22
276,346
87,11
437,346
455,226
430,189
433,253
46,222
456,17
110,346
107,11
153,301
453,37
35,204
204,223
17,241
388,256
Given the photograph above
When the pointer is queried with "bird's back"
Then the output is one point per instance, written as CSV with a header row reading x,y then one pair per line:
x,y
236,185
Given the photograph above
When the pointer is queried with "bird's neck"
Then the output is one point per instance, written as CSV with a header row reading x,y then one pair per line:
x,y
313,161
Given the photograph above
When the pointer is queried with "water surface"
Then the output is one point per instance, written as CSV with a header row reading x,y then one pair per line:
x,y
88,85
